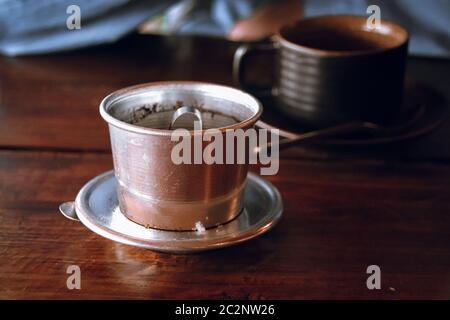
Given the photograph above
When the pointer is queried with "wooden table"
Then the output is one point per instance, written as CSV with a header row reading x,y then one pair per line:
x,y
343,211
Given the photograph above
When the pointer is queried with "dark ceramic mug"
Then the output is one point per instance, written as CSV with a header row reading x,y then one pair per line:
x,y
333,69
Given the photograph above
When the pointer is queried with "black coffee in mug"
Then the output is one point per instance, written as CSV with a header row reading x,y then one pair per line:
x,y
334,69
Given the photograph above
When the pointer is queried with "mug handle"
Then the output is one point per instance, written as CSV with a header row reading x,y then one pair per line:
x,y
240,63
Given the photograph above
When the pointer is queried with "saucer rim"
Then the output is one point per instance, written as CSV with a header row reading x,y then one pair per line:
x,y
264,224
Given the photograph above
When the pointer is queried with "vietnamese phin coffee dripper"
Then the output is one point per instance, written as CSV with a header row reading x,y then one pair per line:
x,y
152,190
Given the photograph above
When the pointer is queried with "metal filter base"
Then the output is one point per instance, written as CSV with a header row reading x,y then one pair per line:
x,y
97,207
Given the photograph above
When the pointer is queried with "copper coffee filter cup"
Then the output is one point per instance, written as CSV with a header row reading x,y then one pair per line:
x,y
152,190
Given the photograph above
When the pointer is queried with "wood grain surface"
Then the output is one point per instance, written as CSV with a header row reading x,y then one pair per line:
x,y
344,210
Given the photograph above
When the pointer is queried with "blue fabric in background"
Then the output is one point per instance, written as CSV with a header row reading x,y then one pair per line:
x,y
39,26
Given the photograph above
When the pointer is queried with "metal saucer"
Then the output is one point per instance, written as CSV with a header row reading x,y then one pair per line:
x,y
96,206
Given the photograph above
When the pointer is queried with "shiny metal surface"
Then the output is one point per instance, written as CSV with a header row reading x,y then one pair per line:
x,y
97,208
152,190
185,116
68,210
